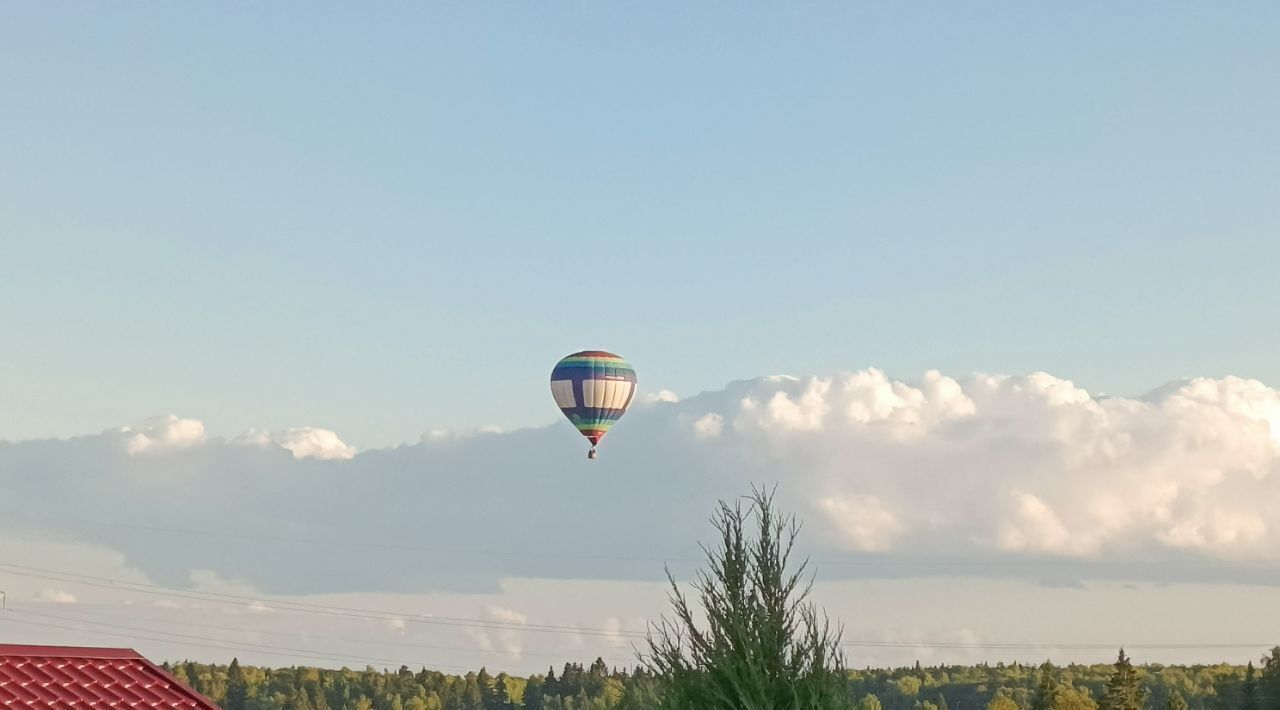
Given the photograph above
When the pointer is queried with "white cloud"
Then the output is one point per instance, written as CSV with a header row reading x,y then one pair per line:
x,y
708,426
1029,464
985,466
56,596
162,434
302,442
510,616
864,521
661,396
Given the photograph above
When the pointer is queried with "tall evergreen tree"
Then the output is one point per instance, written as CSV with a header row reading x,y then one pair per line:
x,y
498,698
1046,689
551,686
765,647
1124,689
193,675
237,687
1270,680
1249,693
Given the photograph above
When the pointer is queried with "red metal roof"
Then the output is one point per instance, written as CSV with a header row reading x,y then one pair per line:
x,y
70,677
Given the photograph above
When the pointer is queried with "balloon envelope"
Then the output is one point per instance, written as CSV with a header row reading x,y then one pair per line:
x,y
593,388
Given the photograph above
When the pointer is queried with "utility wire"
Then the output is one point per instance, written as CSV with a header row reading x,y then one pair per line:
x,y
223,646
301,607
78,617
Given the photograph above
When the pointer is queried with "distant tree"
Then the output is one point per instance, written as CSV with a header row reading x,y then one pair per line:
x,y
298,701
1046,689
551,686
237,688
1002,700
1249,689
472,694
764,647
909,686
869,702
499,696
1124,689
1270,680
193,675
180,672
1176,702
1068,698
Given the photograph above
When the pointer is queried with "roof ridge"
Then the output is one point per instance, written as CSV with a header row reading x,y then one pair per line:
x,y
33,651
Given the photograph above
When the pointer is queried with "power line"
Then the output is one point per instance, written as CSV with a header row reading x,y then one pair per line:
x,y
311,637
1049,646
222,646
303,607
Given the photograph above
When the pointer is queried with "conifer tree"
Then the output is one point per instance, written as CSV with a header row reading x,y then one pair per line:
x,y
1176,702
237,687
193,675
298,701
1046,689
1249,701
1270,680
765,647
1124,690
1002,700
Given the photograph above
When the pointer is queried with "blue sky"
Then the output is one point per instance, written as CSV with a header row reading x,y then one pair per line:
x,y
384,221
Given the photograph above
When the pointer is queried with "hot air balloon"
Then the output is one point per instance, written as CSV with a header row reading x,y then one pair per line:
x,y
593,389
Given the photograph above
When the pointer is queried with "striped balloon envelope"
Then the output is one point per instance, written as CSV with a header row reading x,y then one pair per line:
x,y
593,389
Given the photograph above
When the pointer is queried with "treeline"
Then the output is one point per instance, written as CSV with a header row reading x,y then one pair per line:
x,y
575,687
1117,686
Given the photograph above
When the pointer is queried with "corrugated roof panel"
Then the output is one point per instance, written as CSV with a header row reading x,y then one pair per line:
x,y
67,677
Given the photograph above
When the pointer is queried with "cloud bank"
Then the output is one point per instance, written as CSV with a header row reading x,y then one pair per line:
x,y
989,475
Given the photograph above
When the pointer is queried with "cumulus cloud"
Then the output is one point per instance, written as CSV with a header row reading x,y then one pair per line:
x,y
983,467
162,434
1029,464
661,396
708,426
302,442
864,521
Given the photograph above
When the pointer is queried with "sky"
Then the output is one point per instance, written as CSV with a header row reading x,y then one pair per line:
x,y
987,291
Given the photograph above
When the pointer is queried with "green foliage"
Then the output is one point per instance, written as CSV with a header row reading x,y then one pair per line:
x,y
1124,688
764,647
1201,687
237,688
1249,694
1176,702
1070,698
1002,700
1269,682
1046,689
